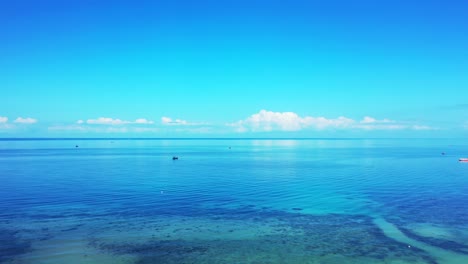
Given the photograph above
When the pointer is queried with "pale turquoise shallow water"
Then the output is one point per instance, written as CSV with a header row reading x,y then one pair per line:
x,y
233,201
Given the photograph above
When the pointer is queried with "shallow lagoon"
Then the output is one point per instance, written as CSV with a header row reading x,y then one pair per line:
x,y
233,201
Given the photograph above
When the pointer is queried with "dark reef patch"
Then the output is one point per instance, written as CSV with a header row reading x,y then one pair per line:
x,y
175,251
300,238
11,246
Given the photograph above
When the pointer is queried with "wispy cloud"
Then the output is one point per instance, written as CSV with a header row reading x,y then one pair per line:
x,y
371,120
102,129
145,129
422,127
108,125
105,121
265,121
4,124
27,120
178,122
68,128
112,121
370,123
143,121
195,130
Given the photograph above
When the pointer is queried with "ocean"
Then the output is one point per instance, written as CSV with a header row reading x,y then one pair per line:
x,y
233,201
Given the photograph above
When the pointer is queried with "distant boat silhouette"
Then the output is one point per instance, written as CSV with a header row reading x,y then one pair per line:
x,y
463,159
175,158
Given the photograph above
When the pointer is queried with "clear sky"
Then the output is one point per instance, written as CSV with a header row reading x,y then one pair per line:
x,y
230,68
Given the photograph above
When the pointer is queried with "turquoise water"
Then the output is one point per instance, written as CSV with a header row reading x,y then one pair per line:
x,y
233,201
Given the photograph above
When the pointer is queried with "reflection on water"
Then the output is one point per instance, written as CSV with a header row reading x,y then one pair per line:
x,y
232,201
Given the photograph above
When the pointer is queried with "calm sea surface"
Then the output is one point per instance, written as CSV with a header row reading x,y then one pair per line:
x,y
233,201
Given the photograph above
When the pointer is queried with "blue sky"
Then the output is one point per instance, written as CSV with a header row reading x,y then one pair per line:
x,y
234,68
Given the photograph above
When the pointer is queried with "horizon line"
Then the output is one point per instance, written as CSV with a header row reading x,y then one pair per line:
x,y
213,138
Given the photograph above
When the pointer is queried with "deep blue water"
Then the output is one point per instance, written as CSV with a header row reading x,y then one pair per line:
x,y
233,201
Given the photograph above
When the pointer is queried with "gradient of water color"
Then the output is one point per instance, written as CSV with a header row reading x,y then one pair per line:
x,y
233,201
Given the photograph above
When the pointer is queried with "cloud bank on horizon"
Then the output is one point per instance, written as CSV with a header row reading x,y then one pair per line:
x,y
112,121
262,122
265,121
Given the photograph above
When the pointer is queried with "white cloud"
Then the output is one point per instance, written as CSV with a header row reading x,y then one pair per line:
x,y
169,121
143,121
27,120
106,121
112,121
370,123
195,130
166,120
145,129
107,125
265,121
381,127
6,126
3,119
371,120
323,123
116,130
102,129
368,120
419,127
287,121
68,128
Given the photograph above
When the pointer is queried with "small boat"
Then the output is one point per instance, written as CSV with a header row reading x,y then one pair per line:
x,y
175,158
463,159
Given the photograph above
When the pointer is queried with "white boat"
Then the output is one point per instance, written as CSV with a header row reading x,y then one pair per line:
x,y
463,159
